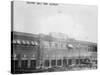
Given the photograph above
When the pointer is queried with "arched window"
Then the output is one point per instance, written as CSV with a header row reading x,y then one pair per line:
x,y
63,45
53,62
58,45
59,62
55,45
46,44
46,63
52,44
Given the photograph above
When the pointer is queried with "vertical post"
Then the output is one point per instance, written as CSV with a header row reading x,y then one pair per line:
x,y
66,62
56,62
61,62
28,63
19,63
38,60
79,56
49,63
19,59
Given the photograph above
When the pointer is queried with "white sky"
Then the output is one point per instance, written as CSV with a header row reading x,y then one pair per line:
x,y
77,21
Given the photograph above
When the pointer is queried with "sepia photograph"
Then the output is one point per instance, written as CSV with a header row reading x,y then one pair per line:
x,y
53,37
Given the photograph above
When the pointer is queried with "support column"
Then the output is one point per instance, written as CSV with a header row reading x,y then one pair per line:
x,y
49,63
43,63
66,62
38,64
29,63
56,62
19,63
61,62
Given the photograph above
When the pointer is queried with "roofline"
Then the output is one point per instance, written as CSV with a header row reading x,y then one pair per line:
x,y
24,34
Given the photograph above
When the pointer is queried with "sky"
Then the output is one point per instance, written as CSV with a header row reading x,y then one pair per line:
x,y
77,21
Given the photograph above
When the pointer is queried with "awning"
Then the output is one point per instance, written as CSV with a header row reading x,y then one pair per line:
x,y
18,41
23,42
27,42
35,43
14,55
32,42
70,45
14,41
